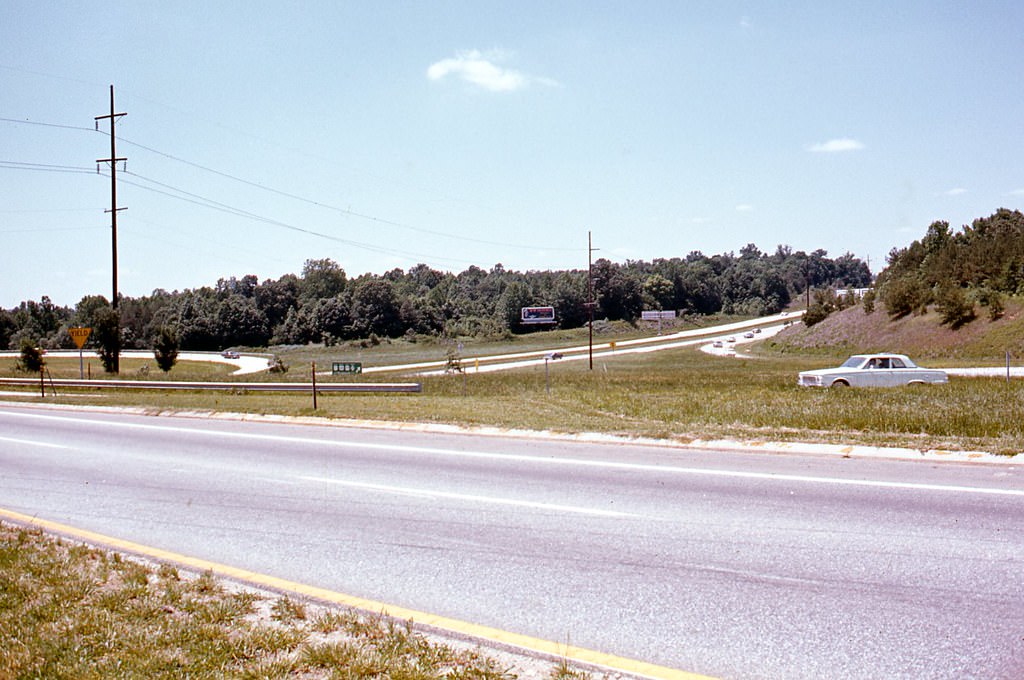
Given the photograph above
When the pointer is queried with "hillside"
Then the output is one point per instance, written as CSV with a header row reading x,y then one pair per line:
x,y
981,341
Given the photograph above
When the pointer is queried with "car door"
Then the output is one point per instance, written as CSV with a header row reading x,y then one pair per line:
x,y
900,372
884,374
869,374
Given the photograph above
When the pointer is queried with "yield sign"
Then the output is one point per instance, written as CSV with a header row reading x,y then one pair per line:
x,y
79,335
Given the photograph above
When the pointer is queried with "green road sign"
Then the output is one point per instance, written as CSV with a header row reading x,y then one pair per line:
x,y
339,367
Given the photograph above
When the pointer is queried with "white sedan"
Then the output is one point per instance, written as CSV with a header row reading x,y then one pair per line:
x,y
873,370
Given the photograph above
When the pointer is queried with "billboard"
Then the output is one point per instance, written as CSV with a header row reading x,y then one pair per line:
x,y
657,315
538,315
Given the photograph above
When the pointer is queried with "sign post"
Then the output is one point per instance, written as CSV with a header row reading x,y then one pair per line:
x,y
313,371
80,335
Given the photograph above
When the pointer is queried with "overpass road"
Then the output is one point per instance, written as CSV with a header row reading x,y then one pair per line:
x,y
729,564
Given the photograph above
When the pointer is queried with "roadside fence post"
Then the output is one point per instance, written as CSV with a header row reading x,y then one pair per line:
x,y
314,385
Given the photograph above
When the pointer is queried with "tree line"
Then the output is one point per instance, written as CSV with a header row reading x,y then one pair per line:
x,y
955,271
323,305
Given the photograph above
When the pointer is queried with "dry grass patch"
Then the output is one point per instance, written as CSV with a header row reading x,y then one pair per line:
x,y
72,611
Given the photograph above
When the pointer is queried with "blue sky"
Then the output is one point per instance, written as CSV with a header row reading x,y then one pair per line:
x,y
385,134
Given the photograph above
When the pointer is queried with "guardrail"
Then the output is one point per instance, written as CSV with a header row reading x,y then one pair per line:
x,y
223,386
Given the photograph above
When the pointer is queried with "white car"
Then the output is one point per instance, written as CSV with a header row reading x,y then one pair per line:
x,y
873,370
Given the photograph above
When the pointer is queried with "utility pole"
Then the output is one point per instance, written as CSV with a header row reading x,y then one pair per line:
x,y
113,209
590,296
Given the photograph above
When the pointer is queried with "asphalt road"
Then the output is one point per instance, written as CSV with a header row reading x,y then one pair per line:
x,y
729,564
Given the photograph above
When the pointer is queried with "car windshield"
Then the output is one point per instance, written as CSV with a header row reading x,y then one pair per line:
x,y
853,362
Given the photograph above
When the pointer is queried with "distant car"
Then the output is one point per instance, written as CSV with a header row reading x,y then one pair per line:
x,y
873,370
730,339
748,334
230,354
717,344
757,330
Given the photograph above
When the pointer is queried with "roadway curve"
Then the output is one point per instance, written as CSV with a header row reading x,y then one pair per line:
x,y
769,325
245,364
728,564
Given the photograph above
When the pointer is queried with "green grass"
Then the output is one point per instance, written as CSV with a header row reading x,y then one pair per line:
x,y
131,369
679,394
72,611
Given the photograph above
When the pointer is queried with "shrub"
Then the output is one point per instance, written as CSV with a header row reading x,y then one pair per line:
x,y
953,305
904,296
165,349
277,365
107,331
869,301
31,356
816,313
993,300
453,362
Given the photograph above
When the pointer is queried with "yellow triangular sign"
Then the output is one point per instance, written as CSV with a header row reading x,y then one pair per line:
x,y
79,335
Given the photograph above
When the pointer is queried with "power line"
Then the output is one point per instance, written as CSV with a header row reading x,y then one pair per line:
x,y
42,229
52,125
320,204
46,210
46,167
327,206
196,199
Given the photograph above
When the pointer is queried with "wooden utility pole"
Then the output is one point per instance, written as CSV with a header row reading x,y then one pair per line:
x,y
590,296
113,209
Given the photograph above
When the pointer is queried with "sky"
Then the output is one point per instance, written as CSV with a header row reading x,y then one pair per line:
x,y
259,135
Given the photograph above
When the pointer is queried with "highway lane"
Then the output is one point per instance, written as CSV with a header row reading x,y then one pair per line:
x,y
729,564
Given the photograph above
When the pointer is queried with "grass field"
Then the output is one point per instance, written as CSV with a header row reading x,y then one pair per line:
x,y
73,611
680,394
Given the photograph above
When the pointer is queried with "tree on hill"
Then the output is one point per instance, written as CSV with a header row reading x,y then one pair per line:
x,y
950,269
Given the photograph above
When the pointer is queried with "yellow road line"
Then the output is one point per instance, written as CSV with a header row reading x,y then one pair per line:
x,y
555,649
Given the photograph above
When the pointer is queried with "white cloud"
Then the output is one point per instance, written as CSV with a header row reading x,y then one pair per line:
x,y
484,70
955,192
836,146
744,207
745,22
1017,192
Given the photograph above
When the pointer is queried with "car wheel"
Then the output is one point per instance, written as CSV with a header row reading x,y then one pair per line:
x,y
840,383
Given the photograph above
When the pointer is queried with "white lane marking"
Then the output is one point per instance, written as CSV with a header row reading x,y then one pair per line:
x,y
29,442
535,460
427,493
